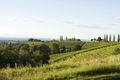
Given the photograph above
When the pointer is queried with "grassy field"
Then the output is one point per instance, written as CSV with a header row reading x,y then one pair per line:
x,y
88,46
95,44
95,63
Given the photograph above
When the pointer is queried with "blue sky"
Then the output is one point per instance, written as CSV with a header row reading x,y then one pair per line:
x,y
83,19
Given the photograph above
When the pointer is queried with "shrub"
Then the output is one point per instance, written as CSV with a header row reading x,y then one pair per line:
x,y
55,48
116,51
77,47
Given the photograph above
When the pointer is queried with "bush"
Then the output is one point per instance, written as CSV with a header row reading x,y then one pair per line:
x,y
116,51
77,47
55,48
62,49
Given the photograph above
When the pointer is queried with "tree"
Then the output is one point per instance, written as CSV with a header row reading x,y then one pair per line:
x,y
118,39
24,55
45,49
77,47
106,38
94,39
55,48
31,39
66,38
78,40
8,57
114,38
99,39
39,58
110,38
61,38
62,49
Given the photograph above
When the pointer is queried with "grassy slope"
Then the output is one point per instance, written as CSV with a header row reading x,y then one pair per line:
x,y
95,44
88,46
95,65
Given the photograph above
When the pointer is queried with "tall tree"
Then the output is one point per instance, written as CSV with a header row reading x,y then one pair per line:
x,y
61,38
107,37
118,39
110,38
99,39
104,37
66,38
113,38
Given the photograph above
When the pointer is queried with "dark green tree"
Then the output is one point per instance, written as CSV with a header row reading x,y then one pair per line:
x,y
62,49
118,39
106,38
77,47
55,48
99,39
110,38
114,38
8,57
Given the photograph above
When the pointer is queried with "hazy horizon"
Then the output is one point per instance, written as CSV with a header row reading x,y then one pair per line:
x,y
25,39
84,19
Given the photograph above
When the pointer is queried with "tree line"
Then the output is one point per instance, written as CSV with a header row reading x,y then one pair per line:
x,y
109,38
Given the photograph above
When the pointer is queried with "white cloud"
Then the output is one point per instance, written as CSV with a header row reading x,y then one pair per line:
x,y
38,20
93,26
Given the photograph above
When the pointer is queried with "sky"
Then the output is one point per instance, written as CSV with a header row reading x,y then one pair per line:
x,y
84,19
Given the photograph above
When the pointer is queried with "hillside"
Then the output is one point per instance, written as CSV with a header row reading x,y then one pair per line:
x,y
96,64
88,46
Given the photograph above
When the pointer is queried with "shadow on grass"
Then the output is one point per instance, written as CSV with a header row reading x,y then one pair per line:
x,y
114,77
108,78
100,71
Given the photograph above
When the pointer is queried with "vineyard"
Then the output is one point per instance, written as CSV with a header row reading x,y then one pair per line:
x,y
100,61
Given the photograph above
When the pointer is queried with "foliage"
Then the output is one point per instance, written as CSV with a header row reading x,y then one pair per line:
x,y
59,46
116,51
55,48
24,54
31,39
99,39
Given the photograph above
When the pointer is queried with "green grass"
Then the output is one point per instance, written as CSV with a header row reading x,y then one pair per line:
x,y
96,45
98,64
